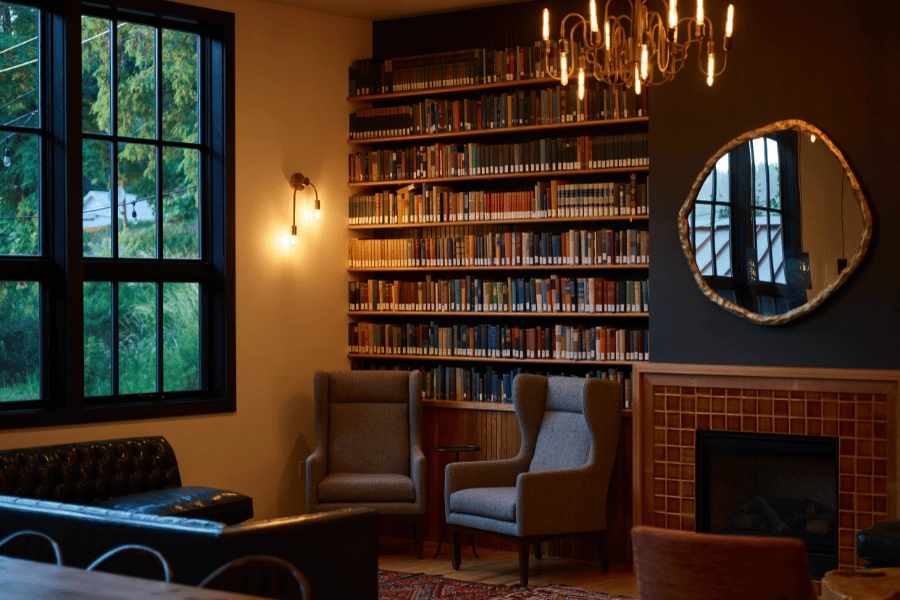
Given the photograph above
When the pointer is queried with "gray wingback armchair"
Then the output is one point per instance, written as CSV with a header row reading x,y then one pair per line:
x,y
556,486
369,446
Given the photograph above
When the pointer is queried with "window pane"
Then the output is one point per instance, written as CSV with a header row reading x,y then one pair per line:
x,y
20,201
758,173
181,210
96,205
181,336
97,338
96,40
774,180
722,237
180,86
723,181
19,87
20,335
137,338
136,72
136,203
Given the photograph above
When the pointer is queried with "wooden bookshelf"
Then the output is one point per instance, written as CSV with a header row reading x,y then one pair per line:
x,y
485,359
495,406
643,266
456,89
488,314
530,221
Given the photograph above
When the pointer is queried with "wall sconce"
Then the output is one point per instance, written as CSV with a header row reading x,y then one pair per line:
x,y
299,182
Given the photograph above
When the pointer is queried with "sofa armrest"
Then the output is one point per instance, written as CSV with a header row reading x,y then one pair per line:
x,y
191,502
563,500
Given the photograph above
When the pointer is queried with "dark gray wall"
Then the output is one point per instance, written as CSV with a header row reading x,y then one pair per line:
x,y
834,64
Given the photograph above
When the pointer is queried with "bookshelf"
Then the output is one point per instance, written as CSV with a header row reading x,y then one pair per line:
x,y
500,224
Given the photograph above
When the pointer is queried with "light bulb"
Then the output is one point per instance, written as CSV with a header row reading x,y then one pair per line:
x,y
812,138
673,14
729,21
7,159
564,67
294,240
637,82
606,34
546,30
700,16
318,211
581,83
594,27
711,68
645,60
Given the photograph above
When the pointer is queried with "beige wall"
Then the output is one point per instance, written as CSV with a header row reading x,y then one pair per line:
x,y
291,85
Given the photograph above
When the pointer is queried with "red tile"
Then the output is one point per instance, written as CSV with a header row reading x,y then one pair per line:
x,y
673,420
689,523
673,522
703,403
879,397
814,408
879,412
813,395
864,503
659,486
880,503
880,467
798,395
673,454
659,435
814,427
672,471
659,452
673,403
764,393
846,501
659,470
847,410
847,483
733,406
847,538
864,466
672,488
659,519
879,431
688,404
847,447
830,410
863,484
798,408
688,455
734,392
781,425
847,520
688,391
748,424
865,430
847,556
781,394
659,503
864,447
688,489
864,411
829,395
880,486
848,428
687,472
673,436
717,392
879,449
688,507
798,426
673,505
718,404
830,428
764,424
764,406
749,406
687,438
718,422
687,421
781,408
703,422
659,418
733,423
847,397
847,465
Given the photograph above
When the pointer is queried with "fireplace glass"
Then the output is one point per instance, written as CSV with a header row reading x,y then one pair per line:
x,y
770,485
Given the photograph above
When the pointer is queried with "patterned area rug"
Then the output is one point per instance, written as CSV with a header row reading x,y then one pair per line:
x,y
394,585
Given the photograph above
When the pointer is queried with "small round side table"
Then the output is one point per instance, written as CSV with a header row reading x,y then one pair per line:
x,y
860,584
456,450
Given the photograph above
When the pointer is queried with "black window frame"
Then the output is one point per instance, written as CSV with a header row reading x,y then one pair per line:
x,y
61,268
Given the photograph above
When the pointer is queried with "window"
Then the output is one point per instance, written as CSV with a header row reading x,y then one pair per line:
x,y
745,225
116,211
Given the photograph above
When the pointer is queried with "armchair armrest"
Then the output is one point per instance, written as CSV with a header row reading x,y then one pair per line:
x,y
484,473
419,473
559,501
316,470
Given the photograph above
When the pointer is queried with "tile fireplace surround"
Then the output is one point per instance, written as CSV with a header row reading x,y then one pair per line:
x,y
859,407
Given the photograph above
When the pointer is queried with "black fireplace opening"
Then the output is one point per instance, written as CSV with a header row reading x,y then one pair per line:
x,y
771,485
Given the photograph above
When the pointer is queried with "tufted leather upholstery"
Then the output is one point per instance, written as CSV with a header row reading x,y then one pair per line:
x,y
89,472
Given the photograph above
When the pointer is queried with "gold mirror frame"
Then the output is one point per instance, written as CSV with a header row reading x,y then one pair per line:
x,y
853,263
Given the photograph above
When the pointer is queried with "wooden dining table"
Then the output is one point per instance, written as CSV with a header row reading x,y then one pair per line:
x,y
22,579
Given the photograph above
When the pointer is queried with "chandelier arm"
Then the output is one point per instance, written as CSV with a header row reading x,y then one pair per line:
x,y
724,64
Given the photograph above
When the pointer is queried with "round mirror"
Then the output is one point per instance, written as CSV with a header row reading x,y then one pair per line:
x,y
775,223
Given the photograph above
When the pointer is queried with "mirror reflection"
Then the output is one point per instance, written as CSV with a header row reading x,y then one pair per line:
x,y
775,223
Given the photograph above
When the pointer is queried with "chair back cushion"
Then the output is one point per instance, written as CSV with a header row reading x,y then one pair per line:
x,y
368,422
564,441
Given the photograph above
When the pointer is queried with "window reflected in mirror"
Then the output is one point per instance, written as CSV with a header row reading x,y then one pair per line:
x,y
775,223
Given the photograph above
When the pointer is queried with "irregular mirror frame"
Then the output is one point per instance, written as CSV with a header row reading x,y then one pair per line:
x,y
799,267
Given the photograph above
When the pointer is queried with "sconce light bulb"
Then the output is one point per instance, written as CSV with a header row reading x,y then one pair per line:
x,y
7,158
637,81
729,21
701,17
606,34
711,69
294,239
673,14
594,26
581,83
645,61
564,67
546,30
318,211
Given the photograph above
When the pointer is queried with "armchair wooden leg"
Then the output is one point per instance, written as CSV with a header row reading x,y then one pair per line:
x,y
419,535
454,550
538,551
523,562
600,543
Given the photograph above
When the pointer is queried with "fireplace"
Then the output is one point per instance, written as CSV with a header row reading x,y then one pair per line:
x,y
771,485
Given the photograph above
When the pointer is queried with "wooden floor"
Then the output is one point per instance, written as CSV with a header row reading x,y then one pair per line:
x,y
501,567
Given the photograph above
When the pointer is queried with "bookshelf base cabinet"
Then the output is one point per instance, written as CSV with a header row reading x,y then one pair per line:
x,y
495,430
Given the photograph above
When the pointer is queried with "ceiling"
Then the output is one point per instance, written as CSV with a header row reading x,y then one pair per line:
x,y
377,10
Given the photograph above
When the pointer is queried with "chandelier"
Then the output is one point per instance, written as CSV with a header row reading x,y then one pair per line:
x,y
636,50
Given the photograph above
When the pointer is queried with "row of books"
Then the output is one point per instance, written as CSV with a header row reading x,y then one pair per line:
x,y
474,159
548,199
553,342
465,246
518,108
489,384
554,294
445,69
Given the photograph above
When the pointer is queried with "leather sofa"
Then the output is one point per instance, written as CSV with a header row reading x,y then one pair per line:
x,y
337,551
880,544
136,474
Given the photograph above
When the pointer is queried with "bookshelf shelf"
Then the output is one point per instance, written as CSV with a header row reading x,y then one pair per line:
x,y
485,359
456,89
501,176
524,129
629,267
542,222
495,406
523,314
